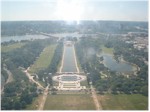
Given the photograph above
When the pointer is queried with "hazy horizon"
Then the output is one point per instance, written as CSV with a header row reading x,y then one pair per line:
x,y
74,10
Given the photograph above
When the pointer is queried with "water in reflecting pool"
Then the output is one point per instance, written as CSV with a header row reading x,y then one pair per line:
x,y
69,61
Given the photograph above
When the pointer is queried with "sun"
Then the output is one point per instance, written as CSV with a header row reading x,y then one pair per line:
x,y
69,10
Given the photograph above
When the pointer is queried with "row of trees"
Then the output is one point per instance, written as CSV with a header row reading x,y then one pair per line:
x,y
86,50
26,55
46,74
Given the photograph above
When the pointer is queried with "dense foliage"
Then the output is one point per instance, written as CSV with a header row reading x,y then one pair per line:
x,y
26,55
4,73
19,93
115,82
52,68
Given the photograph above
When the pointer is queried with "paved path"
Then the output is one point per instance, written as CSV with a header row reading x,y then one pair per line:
x,y
75,60
9,79
45,93
42,102
94,96
31,78
62,62
10,76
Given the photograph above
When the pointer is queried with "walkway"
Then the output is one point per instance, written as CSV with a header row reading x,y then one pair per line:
x,y
42,103
10,76
45,93
94,96
9,79
31,78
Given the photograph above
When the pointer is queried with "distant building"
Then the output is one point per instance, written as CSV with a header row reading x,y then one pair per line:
x,y
68,43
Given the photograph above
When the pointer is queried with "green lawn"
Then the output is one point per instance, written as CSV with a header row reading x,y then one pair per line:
x,y
69,102
84,83
11,47
35,103
123,102
107,50
44,59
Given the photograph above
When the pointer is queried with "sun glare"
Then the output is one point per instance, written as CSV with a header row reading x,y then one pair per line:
x,y
69,10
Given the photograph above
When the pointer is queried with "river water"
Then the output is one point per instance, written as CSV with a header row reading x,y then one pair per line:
x,y
29,37
69,60
24,37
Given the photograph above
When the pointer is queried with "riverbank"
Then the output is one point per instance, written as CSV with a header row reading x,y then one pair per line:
x,y
135,67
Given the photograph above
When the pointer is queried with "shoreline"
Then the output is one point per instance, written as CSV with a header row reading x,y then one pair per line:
x,y
135,68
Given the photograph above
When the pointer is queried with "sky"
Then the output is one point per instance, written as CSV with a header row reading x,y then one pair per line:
x,y
118,10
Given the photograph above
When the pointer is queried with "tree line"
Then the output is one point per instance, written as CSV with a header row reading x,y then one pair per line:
x,y
47,74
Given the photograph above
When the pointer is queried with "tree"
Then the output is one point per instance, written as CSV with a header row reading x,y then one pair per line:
x,y
101,58
144,90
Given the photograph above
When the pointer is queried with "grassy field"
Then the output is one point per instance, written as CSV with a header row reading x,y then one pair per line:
x,y
69,102
44,59
84,83
107,50
35,103
11,47
123,102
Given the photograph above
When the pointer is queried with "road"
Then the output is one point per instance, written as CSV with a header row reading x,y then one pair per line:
x,y
42,102
10,76
9,79
94,96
